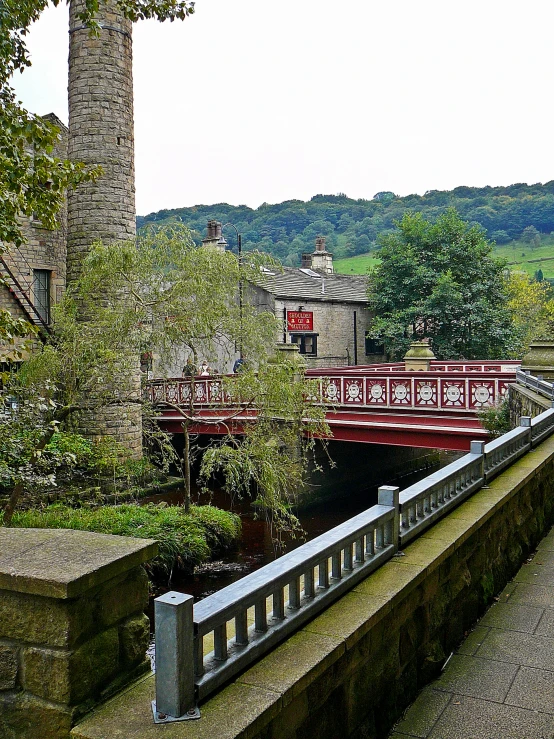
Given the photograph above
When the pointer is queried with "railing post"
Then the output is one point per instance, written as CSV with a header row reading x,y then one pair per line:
x,y
478,447
389,495
175,689
525,422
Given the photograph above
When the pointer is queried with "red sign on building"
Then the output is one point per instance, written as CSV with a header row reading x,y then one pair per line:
x,y
300,320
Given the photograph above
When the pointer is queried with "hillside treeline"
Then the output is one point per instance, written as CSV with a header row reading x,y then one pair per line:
x,y
352,227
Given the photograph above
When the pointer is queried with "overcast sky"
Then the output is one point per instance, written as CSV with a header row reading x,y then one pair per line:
x,y
252,101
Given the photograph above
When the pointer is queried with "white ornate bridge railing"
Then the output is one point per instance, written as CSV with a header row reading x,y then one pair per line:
x,y
368,390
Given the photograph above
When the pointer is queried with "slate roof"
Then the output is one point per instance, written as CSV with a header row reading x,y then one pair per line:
x,y
308,284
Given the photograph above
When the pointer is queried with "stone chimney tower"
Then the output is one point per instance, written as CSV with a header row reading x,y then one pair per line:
x,y
101,132
214,237
322,260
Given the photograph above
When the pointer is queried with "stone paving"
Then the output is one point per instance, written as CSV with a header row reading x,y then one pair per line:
x,y
499,684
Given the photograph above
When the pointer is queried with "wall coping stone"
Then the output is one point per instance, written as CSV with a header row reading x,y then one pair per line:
x,y
64,563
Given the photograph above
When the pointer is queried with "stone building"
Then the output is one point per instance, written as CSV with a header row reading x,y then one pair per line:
x,y
324,313
35,272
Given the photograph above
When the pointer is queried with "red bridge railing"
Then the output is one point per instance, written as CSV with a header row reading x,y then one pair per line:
x,y
452,387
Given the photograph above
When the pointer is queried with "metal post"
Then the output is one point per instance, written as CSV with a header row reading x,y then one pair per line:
x,y
525,422
389,495
175,689
478,447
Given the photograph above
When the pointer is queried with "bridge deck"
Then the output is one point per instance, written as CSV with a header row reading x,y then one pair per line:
x,y
499,683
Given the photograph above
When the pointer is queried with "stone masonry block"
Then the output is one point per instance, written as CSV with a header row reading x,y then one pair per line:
x,y
8,667
23,716
33,619
71,677
124,598
134,635
46,673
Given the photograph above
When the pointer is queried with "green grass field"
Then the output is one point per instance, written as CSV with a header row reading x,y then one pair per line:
x,y
522,256
518,254
355,265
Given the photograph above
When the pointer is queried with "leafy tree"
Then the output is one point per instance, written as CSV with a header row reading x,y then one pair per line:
x,y
177,295
439,280
529,234
532,306
500,237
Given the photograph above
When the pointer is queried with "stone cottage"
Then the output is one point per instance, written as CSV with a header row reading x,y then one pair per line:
x,y
324,313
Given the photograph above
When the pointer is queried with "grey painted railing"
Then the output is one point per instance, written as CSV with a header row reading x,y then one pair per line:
x,y
426,501
342,557
535,383
502,452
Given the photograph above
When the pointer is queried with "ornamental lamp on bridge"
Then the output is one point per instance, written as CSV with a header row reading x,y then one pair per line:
x,y
419,356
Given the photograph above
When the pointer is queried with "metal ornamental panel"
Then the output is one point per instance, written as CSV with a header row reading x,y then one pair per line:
x,y
453,394
376,392
426,393
401,392
481,393
332,393
353,391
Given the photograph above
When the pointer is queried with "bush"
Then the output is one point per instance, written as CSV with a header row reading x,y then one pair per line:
x,y
496,419
185,540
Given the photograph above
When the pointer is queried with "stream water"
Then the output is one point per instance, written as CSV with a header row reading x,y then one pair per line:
x,y
257,546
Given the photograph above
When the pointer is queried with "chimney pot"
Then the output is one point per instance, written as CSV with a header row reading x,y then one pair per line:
x,y
320,243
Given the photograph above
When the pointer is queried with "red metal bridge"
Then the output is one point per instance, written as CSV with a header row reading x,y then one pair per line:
x,y
372,404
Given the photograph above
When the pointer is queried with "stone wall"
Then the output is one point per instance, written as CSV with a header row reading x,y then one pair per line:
x,y
353,670
44,249
72,626
525,402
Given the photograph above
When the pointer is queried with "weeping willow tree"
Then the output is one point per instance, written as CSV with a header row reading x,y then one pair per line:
x,y
182,300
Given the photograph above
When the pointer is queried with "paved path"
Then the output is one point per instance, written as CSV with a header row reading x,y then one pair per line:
x,y
499,684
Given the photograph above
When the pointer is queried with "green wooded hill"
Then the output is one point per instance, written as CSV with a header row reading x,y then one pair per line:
x,y
352,227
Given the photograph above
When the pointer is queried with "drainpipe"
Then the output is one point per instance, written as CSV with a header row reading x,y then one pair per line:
x,y
355,338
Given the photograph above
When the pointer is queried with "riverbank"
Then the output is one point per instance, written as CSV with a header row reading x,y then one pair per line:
x,y
185,539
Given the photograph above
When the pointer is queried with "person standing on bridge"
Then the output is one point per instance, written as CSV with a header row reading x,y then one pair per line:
x,y
189,370
239,364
